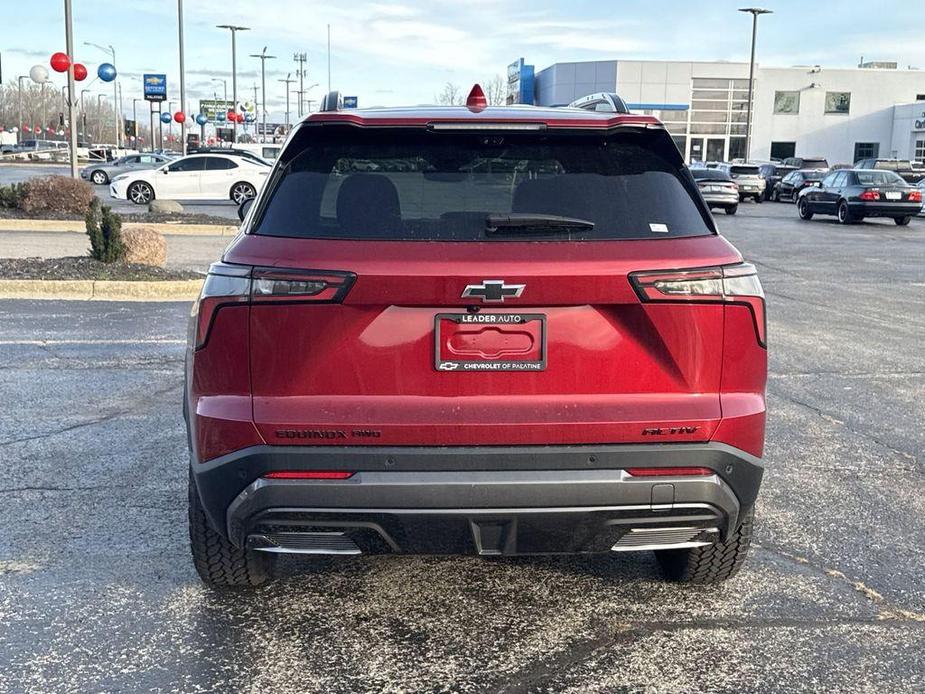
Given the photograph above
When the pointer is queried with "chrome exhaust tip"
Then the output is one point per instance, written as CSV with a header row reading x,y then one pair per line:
x,y
641,539
303,543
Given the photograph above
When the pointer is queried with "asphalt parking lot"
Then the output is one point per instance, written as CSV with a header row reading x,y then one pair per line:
x,y
97,591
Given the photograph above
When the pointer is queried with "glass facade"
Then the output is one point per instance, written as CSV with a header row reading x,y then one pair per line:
x,y
920,151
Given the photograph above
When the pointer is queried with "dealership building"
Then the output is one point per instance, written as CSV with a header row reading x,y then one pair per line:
x,y
875,110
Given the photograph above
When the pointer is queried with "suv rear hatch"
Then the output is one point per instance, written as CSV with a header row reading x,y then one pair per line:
x,y
450,287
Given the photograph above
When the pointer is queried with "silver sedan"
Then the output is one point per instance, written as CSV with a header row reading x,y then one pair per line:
x,y
101,173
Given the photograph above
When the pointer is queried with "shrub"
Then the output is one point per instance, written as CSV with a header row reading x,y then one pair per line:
x,y
104,227
11,196
58,194
144,245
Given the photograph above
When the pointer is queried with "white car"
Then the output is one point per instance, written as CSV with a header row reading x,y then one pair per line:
x,y
196,177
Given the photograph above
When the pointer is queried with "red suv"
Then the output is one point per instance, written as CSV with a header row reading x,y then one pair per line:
x,y
475,330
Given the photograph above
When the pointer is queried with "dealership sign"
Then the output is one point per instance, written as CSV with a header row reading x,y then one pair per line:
x,y
920,124
155,87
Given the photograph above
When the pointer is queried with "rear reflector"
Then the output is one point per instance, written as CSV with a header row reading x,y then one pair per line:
x,y
309,475
669,471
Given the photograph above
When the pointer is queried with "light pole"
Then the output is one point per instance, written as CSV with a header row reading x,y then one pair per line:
x,y
71,110
99,115
301,59
287,82
754,12
263,85
135,120
115,82
224,88
182,77
19,125
234,68
302,93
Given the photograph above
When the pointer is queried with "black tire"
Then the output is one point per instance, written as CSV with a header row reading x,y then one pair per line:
x,y
711,564
218,562
804,210
140,193
902,221
844,214
99,178
242,191
732,209
775,195
759,199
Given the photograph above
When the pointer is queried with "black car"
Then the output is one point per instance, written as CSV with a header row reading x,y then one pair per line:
x,y
907,170
772,174
807,162
789,187
855,194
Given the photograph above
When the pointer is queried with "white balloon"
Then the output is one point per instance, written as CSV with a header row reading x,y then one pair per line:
x,y
39,74
14,129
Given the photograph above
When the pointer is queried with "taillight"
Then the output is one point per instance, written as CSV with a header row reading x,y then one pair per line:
x,y
669,471
915,196
869,195
228,285
729,284
309,475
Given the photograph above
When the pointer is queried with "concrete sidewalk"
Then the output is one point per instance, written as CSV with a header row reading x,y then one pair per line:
x,y
183,252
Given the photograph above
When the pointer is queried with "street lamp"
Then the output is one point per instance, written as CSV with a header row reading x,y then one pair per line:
x,y
135,120
224,87
234,68
116,106
263,84
754,12
20,78
287,82
301,59
99,114
182,76
302,93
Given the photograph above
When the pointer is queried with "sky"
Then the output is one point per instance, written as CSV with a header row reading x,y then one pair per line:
x,y
403,52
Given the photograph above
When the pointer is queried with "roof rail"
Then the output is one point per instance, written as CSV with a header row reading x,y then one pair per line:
x,y
332,101
601,101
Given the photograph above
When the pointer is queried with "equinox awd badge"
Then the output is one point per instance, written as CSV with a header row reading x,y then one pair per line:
x,y
493,291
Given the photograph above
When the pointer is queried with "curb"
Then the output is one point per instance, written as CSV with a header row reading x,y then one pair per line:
x,y
165,228
100,290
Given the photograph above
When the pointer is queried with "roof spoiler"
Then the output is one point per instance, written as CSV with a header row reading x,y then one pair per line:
x,y
601,101
332,101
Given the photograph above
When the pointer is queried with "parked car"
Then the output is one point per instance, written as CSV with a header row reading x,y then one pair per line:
x,y
398,361
718,189
921,188
790,185
232,152
807,162
909,171
100,173
749,179
855,194
772,174
194,177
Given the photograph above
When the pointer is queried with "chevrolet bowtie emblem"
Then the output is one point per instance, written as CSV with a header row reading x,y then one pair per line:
x,y
493,291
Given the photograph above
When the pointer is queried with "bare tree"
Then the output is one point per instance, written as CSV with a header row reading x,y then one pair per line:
x,y
496,91
450,96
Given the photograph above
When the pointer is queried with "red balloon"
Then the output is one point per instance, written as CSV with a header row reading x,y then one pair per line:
x,y
80,72
179,116
60,62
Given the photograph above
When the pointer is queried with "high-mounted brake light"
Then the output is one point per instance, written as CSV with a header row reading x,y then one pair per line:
x,y
669,471
476,100
228,285
729,284
309,475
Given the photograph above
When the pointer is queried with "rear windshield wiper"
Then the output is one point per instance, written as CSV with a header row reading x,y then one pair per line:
x,y
526,222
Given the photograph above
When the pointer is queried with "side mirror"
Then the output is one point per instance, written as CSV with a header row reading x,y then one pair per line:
x,y
244,208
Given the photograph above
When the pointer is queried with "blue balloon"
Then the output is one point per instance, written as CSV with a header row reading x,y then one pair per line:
x,y
106,72
220,116
166,117
201,119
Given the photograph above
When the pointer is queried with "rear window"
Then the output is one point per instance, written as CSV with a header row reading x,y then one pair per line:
x,y
813,175
709,175
744,171
815,164
879,178
343,182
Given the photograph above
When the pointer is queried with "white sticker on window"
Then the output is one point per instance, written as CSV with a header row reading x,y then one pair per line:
x,y
659,228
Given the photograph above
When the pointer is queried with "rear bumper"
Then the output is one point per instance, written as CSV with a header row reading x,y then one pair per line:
x,y
881,209
486,500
